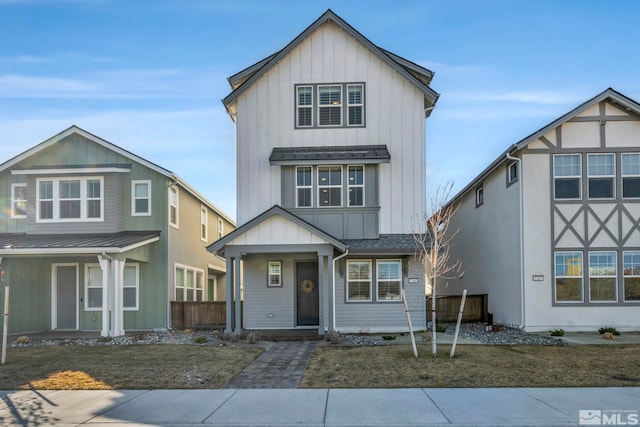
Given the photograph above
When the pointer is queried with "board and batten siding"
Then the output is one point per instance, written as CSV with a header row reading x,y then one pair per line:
x,y
375,317
394,110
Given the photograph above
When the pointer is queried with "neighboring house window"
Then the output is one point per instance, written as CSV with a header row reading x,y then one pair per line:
x,y
220,228
355,105
631,175
93,287
329,186
601,176
568,272
330,105
389,280
304,186
355,185
140,198
631,264
275,274
567,176
602,276
64,199
480,196
189,284
130,287
204,221
512,173
304,106
18,200
173,207
358,281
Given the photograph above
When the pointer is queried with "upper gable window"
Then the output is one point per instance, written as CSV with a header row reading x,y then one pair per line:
x,y
66,199
631,175
18,200
173,207
204,223
140,198
512,173
330,105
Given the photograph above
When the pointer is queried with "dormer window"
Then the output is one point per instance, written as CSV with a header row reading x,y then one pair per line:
x,y
323,105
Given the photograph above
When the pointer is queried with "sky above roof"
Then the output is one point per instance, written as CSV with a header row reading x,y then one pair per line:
x,y
149,75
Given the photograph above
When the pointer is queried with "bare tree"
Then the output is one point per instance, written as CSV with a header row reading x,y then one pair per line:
x,y
433,238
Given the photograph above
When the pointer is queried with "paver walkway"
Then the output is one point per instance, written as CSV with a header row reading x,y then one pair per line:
x,y
280,366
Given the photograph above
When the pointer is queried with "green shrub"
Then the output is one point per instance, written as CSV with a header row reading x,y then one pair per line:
x,y
441,328
557,332
610,329
201,340
389,337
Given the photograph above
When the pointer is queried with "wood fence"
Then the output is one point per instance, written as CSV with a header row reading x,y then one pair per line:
x,y
205,315
447,307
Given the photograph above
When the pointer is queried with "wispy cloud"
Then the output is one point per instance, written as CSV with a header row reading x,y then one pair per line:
x,y
539,97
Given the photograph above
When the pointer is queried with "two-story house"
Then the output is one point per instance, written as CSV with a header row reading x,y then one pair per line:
x,y
330,173
551,229
95,238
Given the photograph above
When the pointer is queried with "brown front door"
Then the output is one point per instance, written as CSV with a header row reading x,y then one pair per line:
x,y
307,293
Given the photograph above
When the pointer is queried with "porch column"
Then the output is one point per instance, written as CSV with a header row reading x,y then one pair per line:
x,y
229,297
331,297
105,266
118,306
321,294
236,272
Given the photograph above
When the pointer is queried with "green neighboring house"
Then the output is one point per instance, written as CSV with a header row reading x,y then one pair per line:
x,y
95,238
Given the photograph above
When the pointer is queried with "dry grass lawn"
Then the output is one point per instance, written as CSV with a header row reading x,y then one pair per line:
x,y
474,366
122,367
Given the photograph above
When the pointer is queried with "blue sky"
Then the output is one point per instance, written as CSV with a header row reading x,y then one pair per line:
x,y
149,75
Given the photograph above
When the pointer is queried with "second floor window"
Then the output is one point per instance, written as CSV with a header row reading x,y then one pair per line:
x,y
204,221
140,198
356,185
173,206
64,199
630,175
567,176
304,186
601,175
18,200
330,105
329,186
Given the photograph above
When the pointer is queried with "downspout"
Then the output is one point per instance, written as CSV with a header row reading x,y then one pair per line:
x,y
333,293
521,218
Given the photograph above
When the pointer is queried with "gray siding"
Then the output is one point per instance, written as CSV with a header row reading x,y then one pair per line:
x,y
370,317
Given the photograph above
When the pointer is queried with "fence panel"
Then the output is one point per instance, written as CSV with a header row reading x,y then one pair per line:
x,y
447,307
201,314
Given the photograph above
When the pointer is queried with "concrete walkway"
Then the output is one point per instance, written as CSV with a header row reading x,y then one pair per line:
x,y
281,365
324,407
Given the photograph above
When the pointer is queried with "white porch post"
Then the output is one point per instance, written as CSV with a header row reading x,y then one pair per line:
x,y
105,266
229,297
321,294
118,307
236,273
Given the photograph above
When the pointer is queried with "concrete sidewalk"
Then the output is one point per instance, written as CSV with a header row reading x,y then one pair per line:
x,y
324,407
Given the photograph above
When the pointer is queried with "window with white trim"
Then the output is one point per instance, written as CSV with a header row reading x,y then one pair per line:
x,y
275,273
567,176
568,276
602,276
92,287
131,287
355,105
304,106
140,197
601,175
69,199
220,228
630,175
189,283
304,186
358,280
18,200
480,195
355,185
631,275
330,105
173,207
204,223
329,186
389,280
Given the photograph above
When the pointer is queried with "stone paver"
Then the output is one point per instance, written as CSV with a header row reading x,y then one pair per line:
x,y
280,366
